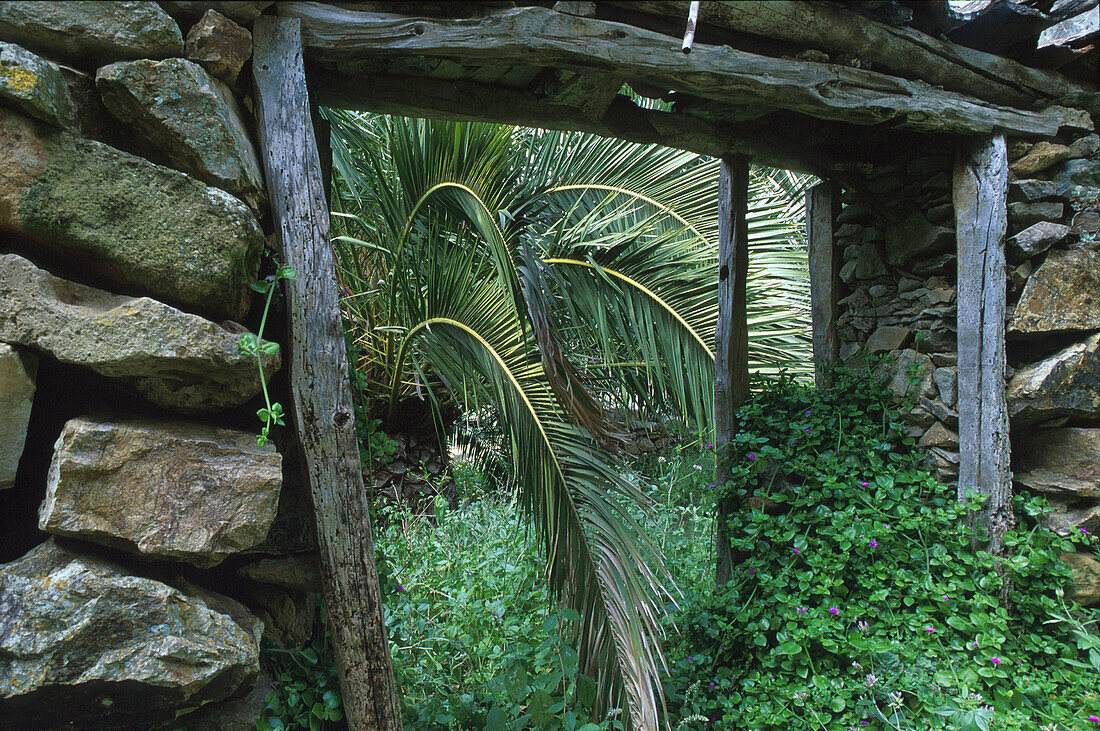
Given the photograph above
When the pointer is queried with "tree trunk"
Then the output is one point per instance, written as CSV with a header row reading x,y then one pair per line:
x,y
731,362
319,378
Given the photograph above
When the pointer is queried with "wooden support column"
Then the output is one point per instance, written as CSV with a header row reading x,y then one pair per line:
x,y
821,208
325,421
980,191
731,361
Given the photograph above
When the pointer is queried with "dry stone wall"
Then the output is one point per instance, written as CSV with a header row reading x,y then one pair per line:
x,y
148,543
896,241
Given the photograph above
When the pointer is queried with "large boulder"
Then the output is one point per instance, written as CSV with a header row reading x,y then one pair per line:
x,y
219,45
194,118
17,380
34,86
174,359
1063,295
914,238
1059,461
1086,578
169,490
92,31
85,645
128,221
1065,384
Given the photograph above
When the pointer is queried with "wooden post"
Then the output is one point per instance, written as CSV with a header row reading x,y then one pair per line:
x,y
319,377
731,361
980,191
821,208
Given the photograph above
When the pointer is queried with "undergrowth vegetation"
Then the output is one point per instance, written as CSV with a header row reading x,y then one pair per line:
x,y
856,603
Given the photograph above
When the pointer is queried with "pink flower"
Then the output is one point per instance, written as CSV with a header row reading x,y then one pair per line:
x,y
752,571
834,610
929,630
873,543
1094,719
996,660
796,551
864,484
752,456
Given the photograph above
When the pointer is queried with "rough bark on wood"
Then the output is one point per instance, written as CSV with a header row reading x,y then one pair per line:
x,y
534,35
731,358
897,49
980,189
821,202
319,378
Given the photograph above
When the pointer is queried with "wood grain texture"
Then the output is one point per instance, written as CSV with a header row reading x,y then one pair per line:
x,y
980,189
896,49
536,35
325,420
821,204
731,357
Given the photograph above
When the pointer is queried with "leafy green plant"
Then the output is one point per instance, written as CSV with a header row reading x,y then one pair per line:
x,y
307,690
249,344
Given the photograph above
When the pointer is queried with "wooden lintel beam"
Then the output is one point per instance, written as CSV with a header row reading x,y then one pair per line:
x,y
322,403
537,35
897,49
980,190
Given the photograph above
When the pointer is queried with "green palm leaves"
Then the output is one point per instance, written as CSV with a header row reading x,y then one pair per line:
x,y
568,281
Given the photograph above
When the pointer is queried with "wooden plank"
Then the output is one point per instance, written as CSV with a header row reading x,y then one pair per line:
x,y
1072,29
821,204
980,189
896,49
731,358
525,35
319,377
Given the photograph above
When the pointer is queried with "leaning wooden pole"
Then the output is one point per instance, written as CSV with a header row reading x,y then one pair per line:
x,y
980,192
319,378
731,358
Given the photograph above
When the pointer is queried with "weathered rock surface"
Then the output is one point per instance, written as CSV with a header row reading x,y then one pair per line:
x,y
888,337
235,714
242,11
939,435
1033,190
914,237
1065,384
288,616
1073,173
894,375
34,85
1059,461
1065,519
1086,578
93,30
299,573
84,645
170,490
1025,214
17,381
184,111
1063,295
136,224
174,359
1037,238
219,45
1039,158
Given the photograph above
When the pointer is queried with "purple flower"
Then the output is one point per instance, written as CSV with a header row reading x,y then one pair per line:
x,y
945,597
929,630
865,484
752,456
752,571
1085,531
806,412
710,684
710,446
807,429
802,610
995,660
690,658
834,610
974,644
796,441
1094,719
864,722
872,543
796,552
399,589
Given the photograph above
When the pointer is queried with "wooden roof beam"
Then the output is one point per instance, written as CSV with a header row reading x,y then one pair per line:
x,y
536,35
898,49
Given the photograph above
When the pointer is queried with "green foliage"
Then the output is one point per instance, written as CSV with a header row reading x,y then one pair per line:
x,y
857,600
249,344
375,446
307,684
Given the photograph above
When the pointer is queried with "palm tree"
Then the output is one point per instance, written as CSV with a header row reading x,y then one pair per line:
x,y
568,281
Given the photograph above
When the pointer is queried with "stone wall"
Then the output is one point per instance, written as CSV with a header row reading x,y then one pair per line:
x,y
149,542
896,240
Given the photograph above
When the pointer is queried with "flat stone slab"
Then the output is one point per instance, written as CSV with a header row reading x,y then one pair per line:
x,y
129,222
1059,461
1037,238
93,30
18,369
176,360
181,109
168,490
219,45
85,645
35,86
1063,295
1065,384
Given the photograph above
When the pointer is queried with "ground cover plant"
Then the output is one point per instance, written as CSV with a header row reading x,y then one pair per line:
x,y
857,602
